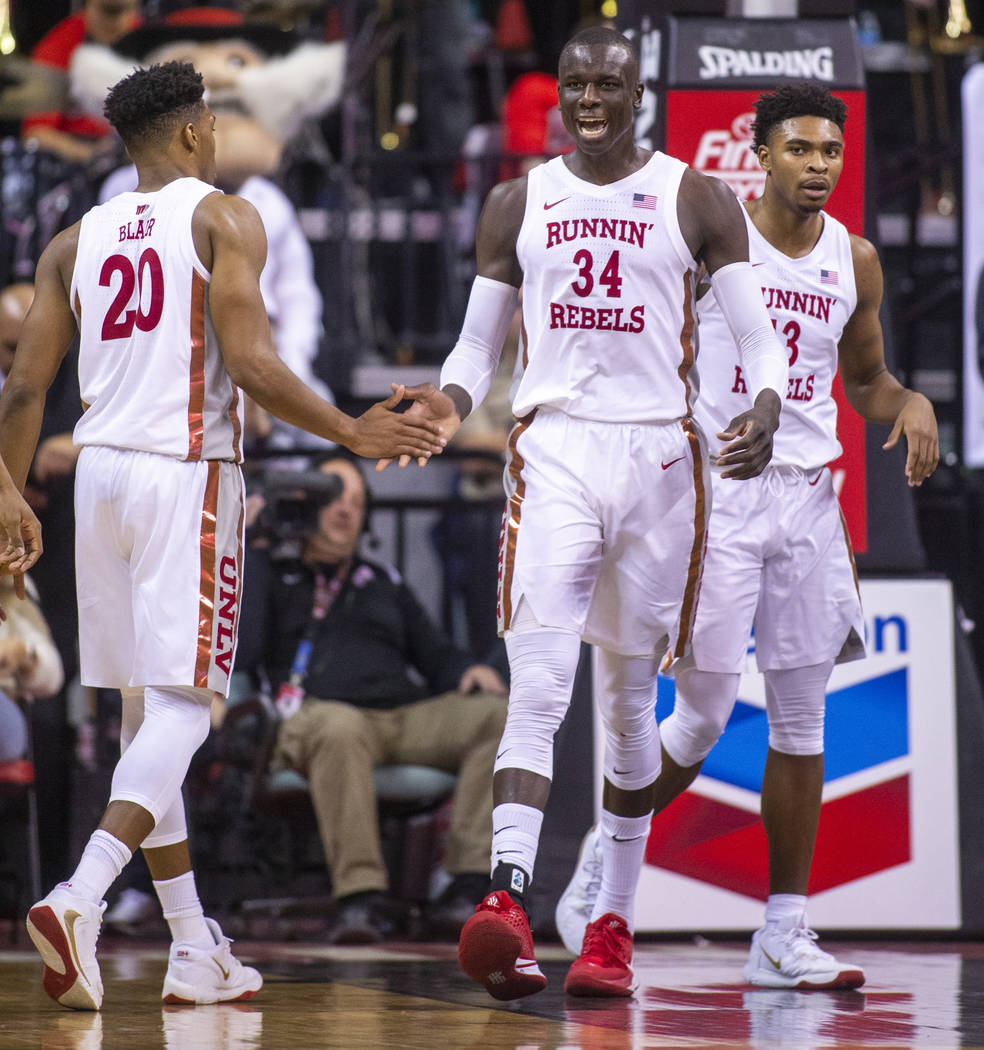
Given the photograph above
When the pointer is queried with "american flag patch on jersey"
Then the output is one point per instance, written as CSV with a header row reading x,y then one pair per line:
x,y
644,200
828,276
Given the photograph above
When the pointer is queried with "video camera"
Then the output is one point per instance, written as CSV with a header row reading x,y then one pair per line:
x,y
293,500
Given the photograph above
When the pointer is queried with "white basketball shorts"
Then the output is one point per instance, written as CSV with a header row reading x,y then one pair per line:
x,y
778,558
604,529
158,554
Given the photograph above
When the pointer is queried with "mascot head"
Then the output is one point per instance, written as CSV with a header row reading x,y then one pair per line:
x,y
261,82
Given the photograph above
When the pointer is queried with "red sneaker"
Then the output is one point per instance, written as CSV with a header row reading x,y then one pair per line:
x,y
496,949
603,967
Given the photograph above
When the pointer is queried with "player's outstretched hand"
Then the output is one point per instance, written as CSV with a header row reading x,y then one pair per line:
x,y
917,421
383,432
20,538
430,404
749,437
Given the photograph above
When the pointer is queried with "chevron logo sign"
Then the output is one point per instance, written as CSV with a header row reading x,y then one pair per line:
x,y
887,853
725,845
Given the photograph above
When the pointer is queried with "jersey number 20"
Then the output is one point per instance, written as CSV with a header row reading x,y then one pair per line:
x,y
119,321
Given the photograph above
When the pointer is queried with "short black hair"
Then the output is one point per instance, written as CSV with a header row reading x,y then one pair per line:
x,y
605,35
802,99
146,106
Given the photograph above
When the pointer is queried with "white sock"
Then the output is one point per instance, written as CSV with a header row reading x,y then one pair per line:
x,y
623,848
103,858
516,835
183,911
785,910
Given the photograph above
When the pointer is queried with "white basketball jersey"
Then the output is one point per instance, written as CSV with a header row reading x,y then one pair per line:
x,y
149,363
608,297
810,301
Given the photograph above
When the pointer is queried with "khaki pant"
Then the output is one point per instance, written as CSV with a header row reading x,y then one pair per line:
x,y
337,745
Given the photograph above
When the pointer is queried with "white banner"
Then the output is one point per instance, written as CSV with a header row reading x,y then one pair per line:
x,y
973,270
887,850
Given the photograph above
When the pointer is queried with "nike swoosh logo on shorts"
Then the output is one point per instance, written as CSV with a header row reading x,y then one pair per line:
x,y
816,479
666,466
547,207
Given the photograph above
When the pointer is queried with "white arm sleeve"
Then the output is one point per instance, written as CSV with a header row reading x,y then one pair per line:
x,y
475,357
763,359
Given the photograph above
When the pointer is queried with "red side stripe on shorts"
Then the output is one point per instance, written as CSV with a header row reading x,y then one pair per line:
x,y
850,549
206,587
510,523
688,609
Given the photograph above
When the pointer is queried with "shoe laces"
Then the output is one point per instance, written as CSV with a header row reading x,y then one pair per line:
x,y
602,941
802,942
593,869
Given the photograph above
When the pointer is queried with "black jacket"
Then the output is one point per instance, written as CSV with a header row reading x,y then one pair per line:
x,y
377,647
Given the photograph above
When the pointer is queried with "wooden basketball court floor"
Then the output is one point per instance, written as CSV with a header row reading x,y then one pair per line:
x,y
413,996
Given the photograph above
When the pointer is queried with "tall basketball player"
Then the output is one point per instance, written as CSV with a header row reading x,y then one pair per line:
x,y
607,479
779,557
163,286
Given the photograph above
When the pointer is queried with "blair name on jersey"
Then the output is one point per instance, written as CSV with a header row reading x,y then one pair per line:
x,y
604,318
136,231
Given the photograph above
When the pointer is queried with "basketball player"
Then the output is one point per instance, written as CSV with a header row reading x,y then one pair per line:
x,y
779,557
605,520
163,285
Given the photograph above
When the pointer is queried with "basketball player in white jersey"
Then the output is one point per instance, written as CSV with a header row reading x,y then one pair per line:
x,y
163,286
604,529
778,555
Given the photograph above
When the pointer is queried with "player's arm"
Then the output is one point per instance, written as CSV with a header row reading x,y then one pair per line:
x,y
231,241
871,390
715,231
470,368
46,335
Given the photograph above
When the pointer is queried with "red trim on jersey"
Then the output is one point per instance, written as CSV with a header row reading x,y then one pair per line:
x,y
687,339
196,377
236,425
510,523
206,586
688,608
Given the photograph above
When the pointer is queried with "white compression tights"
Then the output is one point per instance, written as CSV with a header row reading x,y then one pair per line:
x,y
795,701
162,728
542,665
626,701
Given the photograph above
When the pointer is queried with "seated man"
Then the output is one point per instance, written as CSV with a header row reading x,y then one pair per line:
x,y
372,681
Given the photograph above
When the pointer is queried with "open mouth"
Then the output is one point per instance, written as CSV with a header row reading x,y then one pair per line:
x,y
815,187
592,127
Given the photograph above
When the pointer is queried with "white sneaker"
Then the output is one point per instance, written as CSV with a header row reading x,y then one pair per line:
x,y
577,902
203,975
64,929
131,909
791,959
